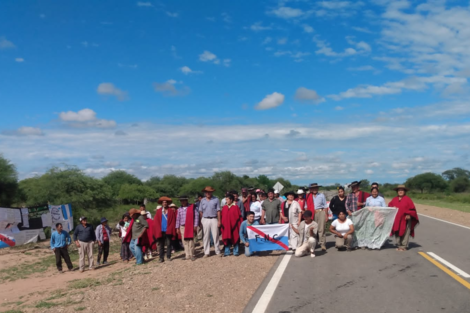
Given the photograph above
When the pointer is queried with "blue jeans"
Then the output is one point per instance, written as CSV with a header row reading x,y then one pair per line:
x,y
137,252
248,253
227,249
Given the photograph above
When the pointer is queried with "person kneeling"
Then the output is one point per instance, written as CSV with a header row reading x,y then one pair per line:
x,y
307,232
343,229
250,220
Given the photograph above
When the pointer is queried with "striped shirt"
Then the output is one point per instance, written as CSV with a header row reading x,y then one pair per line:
x,y
181,217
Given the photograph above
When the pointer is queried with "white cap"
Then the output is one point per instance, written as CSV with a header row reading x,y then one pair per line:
x,y
300,192
276,191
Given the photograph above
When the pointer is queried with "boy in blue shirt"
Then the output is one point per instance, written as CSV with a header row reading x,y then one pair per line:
x,y
250,220
60,240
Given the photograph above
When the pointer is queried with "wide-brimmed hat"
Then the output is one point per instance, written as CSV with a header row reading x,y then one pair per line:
x,y
276,191
164,198
289,193
143,212
314,185
355,183
208,189
82,218
103,219
300,192
173,205
183,197
133,211
401,187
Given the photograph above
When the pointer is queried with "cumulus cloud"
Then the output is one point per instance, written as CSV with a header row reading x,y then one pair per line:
x,y
24,131
257,27
144,4
85,118
186,70
120,133
108,89
270,101
170,14
308,95
6,44
287,12
207,56
19,60
307,28
169,88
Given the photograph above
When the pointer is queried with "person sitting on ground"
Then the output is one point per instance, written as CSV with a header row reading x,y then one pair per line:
x,y
307,233
85,237
250,221
187,221
103,233
165,228
375,200
256,207
230,225
343,229
291,213
374,184
406,218
338,203
60,241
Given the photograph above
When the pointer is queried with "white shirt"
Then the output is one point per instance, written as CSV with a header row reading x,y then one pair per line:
x,y
377,202
307,231
256,208
342,228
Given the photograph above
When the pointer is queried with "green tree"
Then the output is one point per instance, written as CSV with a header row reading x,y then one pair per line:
x,y
195,186
456,172
460,184
225,181
116,179
8,182
427,181
136,192
264,182
69,185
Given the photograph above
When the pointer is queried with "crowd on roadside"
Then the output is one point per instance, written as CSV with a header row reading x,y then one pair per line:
x,y
208,218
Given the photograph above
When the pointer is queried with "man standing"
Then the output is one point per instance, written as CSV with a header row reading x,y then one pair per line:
x,y
356,200
250,220
165,227
307,232
138,234
321,213
103,233
246,199
209,212
187,221
230,226
84,237
271,209
238,202
60,241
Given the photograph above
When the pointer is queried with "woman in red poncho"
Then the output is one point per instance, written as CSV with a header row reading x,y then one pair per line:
x,y
406,219
230,225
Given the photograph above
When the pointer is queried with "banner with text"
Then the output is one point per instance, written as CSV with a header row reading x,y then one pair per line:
x,y
372,226
268,237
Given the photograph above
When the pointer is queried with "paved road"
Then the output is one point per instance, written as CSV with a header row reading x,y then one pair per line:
x,y
377,281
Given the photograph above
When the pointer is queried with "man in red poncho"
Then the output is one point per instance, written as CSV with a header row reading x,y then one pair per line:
x,y
164,224
356,200
230,225
406,218
187,221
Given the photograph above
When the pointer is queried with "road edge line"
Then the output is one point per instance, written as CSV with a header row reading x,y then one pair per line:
x,y
438,219
446,270
449,265
268,292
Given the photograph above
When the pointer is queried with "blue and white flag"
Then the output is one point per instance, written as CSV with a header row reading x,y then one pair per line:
x,y
268,237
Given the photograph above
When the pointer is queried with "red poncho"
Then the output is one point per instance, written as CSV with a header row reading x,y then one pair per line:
x,y
310,204
231,220
189,223
247,204
151,241
128,236
405,207
170,223
362,198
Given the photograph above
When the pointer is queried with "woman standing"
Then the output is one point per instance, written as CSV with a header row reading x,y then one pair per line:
x,y
290,213
338,203
406,218
301,199
375,199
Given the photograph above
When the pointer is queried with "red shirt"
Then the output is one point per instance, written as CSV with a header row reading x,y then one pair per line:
x,y
105,234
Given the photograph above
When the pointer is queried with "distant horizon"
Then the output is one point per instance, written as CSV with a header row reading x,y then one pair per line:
x,y
298,89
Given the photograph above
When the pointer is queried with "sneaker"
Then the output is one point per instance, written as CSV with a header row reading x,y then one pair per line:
x,y
104,263
161,260
312,255
98,263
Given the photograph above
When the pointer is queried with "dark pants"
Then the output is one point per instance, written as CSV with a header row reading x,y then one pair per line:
x,y
126,254
103,248
162,241
62,253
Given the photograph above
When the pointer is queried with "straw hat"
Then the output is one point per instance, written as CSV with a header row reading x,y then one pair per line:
x,y
400,187
167,199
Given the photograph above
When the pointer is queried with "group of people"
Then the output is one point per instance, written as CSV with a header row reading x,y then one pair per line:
x,y
306,212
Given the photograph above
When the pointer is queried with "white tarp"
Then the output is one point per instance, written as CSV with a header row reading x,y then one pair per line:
x,y
372,226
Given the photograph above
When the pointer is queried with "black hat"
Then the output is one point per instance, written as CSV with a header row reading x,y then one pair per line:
x,y
183,197
355,183
289,193
314,185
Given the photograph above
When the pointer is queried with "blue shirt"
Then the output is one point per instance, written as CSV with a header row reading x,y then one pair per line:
x,y
244,232
60,240
209,208
164,221
378,202
319,201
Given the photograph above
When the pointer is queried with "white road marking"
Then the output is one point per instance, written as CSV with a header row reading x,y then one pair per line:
x,y
268,293
449,265
438,219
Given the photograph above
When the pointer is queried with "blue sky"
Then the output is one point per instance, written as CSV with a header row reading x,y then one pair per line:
x,y
325,91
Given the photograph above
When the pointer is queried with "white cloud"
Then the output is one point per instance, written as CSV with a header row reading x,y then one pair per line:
x,y
226,18
144,4
369,172
85,118
227,62
108,89
339,108
19,60
282,41
207,56
24,131
270,101
6,44
170,14
362,30
308,95
286,12
169,88
259,27
362,68
186,70
334,5
307,28
266,40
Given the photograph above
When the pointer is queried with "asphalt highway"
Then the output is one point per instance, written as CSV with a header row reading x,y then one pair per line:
x,y
376,281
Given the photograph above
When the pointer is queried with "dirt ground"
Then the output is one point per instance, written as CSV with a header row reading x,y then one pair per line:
x,y
29,281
